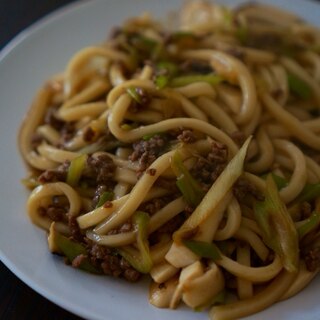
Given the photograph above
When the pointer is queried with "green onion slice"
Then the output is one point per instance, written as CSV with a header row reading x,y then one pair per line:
x,y
76,168
189,187
278,229
309,224
140,260
299,87
203,249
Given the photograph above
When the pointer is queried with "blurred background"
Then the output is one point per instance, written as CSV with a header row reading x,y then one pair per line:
x,y
16,15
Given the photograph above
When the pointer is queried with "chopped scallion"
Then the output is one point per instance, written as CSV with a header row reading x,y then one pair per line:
x,y
277,227
106,196
140,260
134,94
76,168
298,86
203,249
309,225
189,187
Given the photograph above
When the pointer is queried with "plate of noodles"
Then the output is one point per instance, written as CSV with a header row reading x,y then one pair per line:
x,y
169,155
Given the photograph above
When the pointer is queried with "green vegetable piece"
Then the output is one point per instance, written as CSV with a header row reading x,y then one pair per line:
x,y
242,34
128,127
170,67
106,196
71,250
100,145
147,137
203,249
141,260
217,193
280,181
211,78
278,229
30,183
189,187
298,86
143,43
166,71
309,192
134,94
161,81
76,168
310,224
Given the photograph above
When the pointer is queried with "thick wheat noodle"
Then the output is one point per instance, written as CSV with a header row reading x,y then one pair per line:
x,y
253,274
188,107
251,224
292,124
49,133
217,114
255,56
82,58
232,223
125,175
266,153
121,189
197,89
49,190
286,163
313,167
78,112
249,128
280,77
295,68
230,98
303,278
156,221
186,104
136,195
37,110
314,60
228,64
55,154
258,302
94,90
118,111
208,229
254,240
299,175
244,287
97,215
267,12
116,75
147,117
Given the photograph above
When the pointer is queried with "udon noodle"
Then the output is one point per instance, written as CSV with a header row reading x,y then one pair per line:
x,y
189,154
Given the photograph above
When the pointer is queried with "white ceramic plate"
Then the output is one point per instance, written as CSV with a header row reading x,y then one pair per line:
x,y
25,64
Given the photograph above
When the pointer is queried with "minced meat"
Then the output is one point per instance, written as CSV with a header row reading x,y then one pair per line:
x,y
111,263
100,168
312,259
146,152
54,175
208,168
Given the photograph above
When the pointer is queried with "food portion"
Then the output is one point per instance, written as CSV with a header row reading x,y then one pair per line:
x,y
189,154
